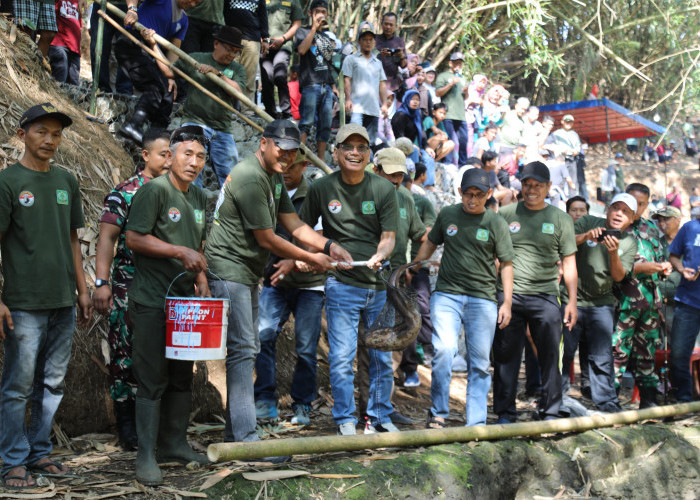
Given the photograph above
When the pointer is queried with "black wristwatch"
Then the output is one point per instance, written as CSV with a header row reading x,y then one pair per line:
x,y
99,283
327,247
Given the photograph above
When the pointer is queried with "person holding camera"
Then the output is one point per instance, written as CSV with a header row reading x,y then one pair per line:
x,y
605,255
392,53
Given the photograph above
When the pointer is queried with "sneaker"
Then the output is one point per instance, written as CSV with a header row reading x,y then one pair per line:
x,y
411,380
385,427
398,418
347,429
265,409
503,420
301,415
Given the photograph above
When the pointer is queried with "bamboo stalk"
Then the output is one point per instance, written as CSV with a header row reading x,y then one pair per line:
x,y
218,81
221,452
98,62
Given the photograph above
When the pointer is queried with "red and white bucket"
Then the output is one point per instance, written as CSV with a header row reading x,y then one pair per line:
x,y
195,328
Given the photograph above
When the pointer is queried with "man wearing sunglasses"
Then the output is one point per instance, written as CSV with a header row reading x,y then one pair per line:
x,y
251,202
359,210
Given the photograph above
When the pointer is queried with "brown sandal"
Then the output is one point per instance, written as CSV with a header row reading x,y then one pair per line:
x,y
434,423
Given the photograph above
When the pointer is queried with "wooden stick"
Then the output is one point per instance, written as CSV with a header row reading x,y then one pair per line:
x,y
218,81
245,450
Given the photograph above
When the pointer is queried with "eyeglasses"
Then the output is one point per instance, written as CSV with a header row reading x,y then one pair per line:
x,y
478,196
348,148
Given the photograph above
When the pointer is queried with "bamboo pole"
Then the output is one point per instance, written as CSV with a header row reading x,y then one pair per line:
x,y
218,81
221,452
98,61
178,71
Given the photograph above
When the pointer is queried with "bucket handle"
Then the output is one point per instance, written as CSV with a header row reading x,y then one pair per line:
x,y
208,271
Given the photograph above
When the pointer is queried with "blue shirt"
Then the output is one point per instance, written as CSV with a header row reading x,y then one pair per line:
x,y
686,245
165,17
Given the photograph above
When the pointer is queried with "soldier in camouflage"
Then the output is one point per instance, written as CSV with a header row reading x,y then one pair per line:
x,y
112,301
638,331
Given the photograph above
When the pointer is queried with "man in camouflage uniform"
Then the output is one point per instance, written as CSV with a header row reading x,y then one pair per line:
x,y
638,331
112,301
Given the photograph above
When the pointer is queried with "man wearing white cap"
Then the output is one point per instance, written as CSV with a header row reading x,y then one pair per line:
x,y
570,148
606,252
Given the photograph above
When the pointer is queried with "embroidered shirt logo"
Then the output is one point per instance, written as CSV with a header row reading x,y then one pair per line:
x,y
26,198
335,206
482,234
548,228
61,197
174,214
514,227
199,216
451,230
368,208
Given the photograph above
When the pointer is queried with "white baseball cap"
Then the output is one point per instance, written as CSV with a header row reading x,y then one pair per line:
x,y
627,199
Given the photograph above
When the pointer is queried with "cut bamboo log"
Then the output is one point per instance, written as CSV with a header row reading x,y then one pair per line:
x,y
221,452
218,81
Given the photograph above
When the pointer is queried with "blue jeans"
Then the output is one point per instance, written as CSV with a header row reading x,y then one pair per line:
x,y
457,131
345,305
686,324
316,107
421,155
222,153
371,123
596,324
37,352
275,306
242,345
448,312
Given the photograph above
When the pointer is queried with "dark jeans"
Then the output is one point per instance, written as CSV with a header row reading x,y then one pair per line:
x,y
276,304
199,36
273,73
541,313
686,325
457,130
533,378
421,284
596,323
122,83
155,99
65,64
153,372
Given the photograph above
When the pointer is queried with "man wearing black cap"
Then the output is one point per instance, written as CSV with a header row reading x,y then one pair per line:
x,y
201,110
251,202
166,231
42,266
450,86
542,235
465,294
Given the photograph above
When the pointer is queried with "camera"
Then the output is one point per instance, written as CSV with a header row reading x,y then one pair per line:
x,y
610,232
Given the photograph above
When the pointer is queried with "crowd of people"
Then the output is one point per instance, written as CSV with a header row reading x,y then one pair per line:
x,y
523,268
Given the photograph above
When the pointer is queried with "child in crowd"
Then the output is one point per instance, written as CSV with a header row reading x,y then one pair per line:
x,y
436,133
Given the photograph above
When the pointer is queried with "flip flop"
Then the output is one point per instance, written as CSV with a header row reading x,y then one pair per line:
x,y
25,477
42,468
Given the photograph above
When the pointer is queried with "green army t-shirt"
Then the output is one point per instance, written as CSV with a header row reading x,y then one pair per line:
x,y
593,264
250,199
454,99
38,210
162,210
426,212
199,108
355,217
280,16
410,227
472,243
539,238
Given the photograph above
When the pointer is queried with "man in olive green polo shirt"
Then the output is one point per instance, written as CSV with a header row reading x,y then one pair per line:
x,y
251,202
166,231
542,235
601,260
451,87
465,294
359,210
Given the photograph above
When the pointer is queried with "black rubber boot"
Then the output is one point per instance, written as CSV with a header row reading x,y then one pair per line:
x,y
647,397
126,424
133,129
147,420
172,437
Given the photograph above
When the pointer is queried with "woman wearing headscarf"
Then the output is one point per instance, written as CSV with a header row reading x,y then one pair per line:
x,y
408,122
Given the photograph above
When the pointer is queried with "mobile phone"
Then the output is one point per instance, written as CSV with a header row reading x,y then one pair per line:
x,y
610,232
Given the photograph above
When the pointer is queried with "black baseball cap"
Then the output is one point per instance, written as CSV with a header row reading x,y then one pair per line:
x,y
285,134
318,3
189,133
476,177
45,110
536,170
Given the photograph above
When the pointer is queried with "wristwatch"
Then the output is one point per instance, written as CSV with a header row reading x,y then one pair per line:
x,y
133,9
99,283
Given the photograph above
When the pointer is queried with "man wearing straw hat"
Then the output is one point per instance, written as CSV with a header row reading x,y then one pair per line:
x,y
166,233
251,202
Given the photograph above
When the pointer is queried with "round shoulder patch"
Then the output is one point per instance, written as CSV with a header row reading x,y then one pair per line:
x,y
174,214
335,206
26,198
514,227
591,243
451,230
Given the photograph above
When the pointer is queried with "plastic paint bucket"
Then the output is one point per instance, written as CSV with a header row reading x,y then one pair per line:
x,y
195,328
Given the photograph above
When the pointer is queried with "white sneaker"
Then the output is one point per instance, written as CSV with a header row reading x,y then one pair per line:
x,y
347,429
385,427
